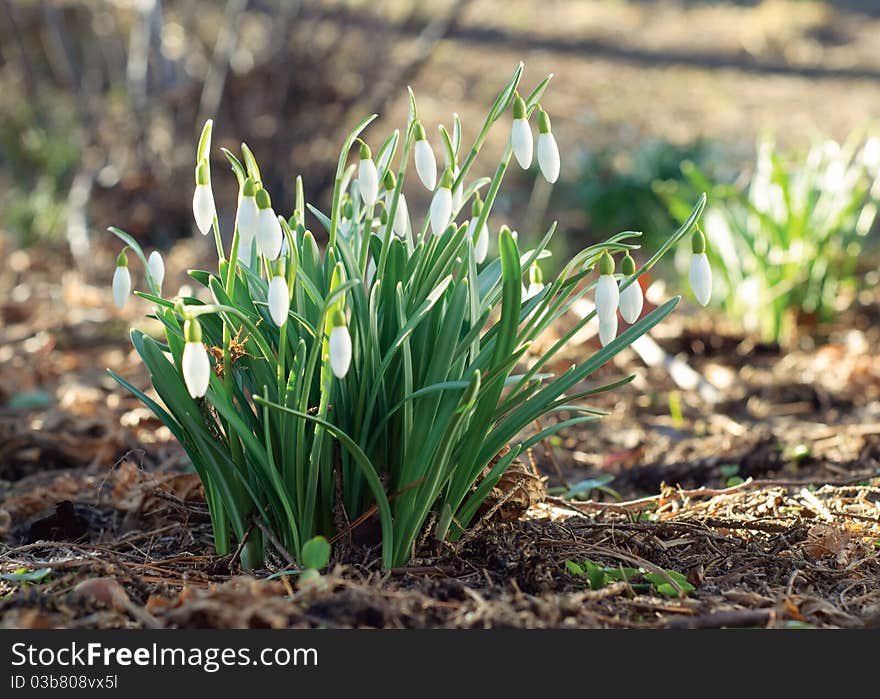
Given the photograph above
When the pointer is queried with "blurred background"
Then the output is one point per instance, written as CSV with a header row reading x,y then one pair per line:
x,y
652,102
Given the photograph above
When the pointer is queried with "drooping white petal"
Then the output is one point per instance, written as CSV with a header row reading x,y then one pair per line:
x,y
156,268
548,157
203,207
481,249
269,233
701,277
121,286
279,300
532,290
607,297
401,217
340,350
441,210
607,330
426,164
457,196
196,368
521,140
631,302
246,218
368,181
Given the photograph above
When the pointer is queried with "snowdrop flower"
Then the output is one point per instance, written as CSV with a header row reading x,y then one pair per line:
x,y
536,282
401,214
195,363
426,164
521,134
368,176
457,192
339,345
607,330
441,204
631,299
203,199
481,237
607,292
701,271
121,281
548,151
156,268
269,234
246,220
278,298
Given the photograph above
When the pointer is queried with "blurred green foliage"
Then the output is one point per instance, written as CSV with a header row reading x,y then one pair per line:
x,y
785,246
39,159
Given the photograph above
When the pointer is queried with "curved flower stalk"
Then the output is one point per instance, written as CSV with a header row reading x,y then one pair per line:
x,y
121,281
397,361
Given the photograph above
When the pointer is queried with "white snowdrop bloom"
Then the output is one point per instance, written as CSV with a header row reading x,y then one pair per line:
x,y
631,299
195,364
532,290
701,271
521,135
247,214
607,291
870,155
339,345
536,282
401,217
481,247
607,330
156,268
269,233
368,176
121,286
441,204
457,192
279,299
204,210
548,151
426,163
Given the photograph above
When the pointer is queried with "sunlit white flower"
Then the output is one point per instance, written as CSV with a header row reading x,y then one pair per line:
x,y
339,345
246,219
156,268
121,281
548,151
441,204
457,192
481,247
631,299
607,291
269,233
700,271
426,163
607,330
401,213
368,176
195,364
279,299
204,210
521,135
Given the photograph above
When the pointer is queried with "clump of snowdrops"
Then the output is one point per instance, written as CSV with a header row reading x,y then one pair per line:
x,y
787,244
385,376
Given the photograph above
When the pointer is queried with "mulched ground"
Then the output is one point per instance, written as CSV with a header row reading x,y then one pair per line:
x,y
766,499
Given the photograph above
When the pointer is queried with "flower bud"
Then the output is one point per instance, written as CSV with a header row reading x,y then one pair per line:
x,y
700,271
368,176
204,210
631,299
607,292
269,233
521,134
279,299
426,164
339,345
121,286
441,204
548,151
156,268
195,363
536,282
